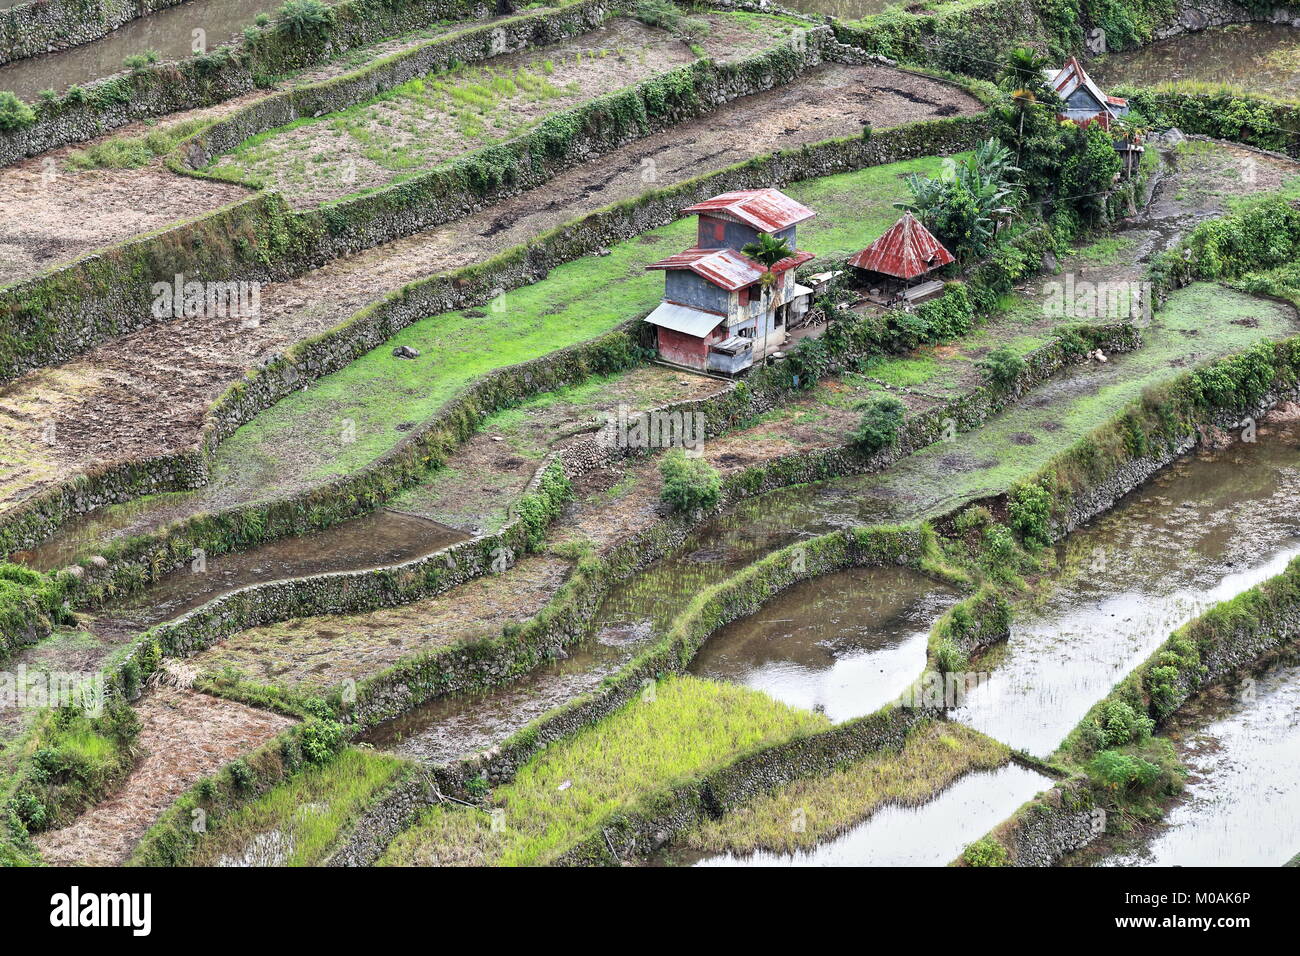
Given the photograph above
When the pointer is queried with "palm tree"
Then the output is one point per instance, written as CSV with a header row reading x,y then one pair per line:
x,y
1022,77
768,250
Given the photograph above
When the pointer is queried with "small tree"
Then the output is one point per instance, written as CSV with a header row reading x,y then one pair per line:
x,y
882,417
689,483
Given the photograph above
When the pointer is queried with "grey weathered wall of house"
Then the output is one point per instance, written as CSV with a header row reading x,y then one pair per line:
x,y
686,288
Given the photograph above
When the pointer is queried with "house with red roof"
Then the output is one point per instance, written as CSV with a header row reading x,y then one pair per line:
x,y
721,310
1085,103
907,252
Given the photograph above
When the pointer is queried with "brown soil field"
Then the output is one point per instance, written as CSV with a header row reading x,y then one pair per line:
x,y
52,212
185,736
319,652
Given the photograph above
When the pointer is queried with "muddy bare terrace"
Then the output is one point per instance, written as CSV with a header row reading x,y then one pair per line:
x,y
356,498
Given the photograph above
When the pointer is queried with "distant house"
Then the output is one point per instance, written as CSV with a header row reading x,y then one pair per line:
x,y
893,263
1085,103
717,314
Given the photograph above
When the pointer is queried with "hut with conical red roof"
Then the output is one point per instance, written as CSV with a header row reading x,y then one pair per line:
x,y
894,262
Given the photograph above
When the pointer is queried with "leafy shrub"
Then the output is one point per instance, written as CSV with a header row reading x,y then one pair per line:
x,y
882,417
1121,724
241,775
689,483
303,19
321,739
986,852
999,546
1029,508
1002,366
808,363
1130,775
14,113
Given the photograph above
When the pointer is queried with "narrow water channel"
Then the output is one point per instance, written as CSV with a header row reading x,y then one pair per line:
x,y
933,834
171,33
1242,802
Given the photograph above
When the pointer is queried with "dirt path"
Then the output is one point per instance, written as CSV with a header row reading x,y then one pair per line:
x,y
185,736
146,393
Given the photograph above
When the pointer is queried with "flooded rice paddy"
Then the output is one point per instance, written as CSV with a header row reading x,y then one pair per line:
x,y
1242,802
1263,57
933,834
1205,530
845,644
171,33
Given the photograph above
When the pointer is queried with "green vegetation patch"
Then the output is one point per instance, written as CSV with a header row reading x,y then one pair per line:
x,y
298,822
690,726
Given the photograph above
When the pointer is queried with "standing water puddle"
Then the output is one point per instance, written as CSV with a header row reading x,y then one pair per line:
x,y
1242,802
1202,532
933,834
845,644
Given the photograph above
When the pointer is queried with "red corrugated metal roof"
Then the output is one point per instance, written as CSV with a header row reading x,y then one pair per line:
x,y
792,262
767,210
725,268
906,250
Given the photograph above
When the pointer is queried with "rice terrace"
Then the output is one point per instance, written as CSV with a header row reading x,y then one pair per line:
x,y
647,434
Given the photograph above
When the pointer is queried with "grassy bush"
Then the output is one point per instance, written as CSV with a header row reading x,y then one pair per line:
x,y
303,19
1029,508
986,852
14,113
669,16
689,483
1002,366
882,417
30,604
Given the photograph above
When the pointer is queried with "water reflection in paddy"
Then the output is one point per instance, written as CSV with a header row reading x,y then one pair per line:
x,y
1205,530
1262,57
846,644
170,32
